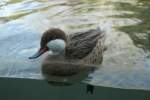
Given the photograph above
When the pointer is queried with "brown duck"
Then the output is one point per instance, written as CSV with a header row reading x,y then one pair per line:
x,y
72,54
82,47
72,51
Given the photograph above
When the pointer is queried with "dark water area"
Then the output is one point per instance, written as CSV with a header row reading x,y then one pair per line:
x,y
126,62
26,89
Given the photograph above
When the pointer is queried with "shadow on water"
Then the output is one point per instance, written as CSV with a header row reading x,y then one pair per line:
x,y
139,33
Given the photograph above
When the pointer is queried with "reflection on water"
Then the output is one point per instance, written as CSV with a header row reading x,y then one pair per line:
x,y
126,24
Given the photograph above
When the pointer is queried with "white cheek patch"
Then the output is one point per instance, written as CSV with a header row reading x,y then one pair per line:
x,y
56,45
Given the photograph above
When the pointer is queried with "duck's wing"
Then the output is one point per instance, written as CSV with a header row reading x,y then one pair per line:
x,y
81,44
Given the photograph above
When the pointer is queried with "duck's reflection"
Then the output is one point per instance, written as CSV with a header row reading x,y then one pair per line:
x,y
61,72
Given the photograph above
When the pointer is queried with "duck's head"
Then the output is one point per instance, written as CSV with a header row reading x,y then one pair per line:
x,y
54,40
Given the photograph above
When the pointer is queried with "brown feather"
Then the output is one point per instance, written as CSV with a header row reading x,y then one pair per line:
x,y
81,44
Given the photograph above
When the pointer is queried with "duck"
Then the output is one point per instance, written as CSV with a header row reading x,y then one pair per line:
x,y
83,47
73,55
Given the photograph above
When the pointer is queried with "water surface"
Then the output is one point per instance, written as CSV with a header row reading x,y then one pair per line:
x,y
126,24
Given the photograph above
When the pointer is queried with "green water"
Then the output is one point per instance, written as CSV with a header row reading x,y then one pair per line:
x,y
139,33
23,89
126,23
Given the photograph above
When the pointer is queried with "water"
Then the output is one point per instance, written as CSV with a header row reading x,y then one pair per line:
x,y
126,24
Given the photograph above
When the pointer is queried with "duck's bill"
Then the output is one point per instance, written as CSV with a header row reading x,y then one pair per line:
x,y
39,53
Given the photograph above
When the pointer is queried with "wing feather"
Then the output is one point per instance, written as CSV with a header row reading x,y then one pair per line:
x,y
81,44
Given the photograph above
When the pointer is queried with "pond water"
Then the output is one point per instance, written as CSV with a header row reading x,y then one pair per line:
x,y
126,24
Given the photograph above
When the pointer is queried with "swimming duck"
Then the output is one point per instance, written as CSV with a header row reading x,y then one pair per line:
x,y
82,47
72,55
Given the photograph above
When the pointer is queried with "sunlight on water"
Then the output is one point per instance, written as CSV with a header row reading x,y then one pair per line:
x,y
126,24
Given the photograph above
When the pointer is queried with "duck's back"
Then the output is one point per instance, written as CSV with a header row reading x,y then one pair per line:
x,y
82,45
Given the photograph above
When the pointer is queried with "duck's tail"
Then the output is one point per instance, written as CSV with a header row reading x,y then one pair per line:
x,y
98,28
101,32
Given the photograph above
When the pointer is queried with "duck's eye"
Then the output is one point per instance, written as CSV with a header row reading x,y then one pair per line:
x,y
56,45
